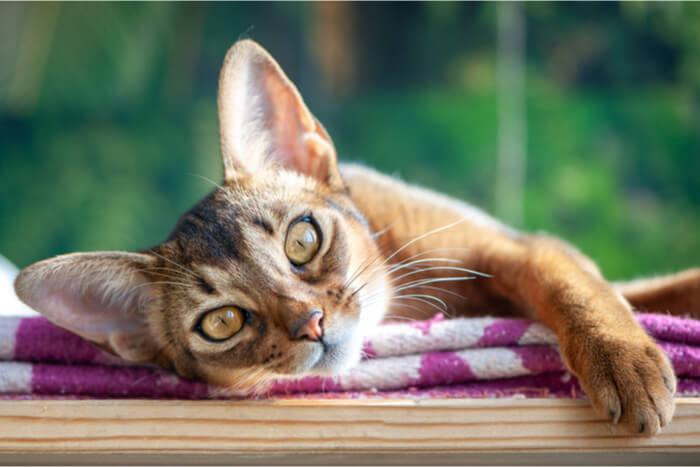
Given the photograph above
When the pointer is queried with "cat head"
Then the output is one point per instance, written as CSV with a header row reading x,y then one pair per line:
x,y
261,278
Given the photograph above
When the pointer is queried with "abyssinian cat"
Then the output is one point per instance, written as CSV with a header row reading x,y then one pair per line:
x,y
283,268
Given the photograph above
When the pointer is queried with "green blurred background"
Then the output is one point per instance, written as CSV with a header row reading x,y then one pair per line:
x,y
108,114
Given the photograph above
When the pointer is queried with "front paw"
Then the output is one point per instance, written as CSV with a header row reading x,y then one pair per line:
x,y
628,380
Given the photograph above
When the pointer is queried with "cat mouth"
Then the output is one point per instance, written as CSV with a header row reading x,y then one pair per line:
x,y
335,356
325,362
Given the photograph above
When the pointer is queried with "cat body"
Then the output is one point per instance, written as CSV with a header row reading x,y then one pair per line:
x,y
288,263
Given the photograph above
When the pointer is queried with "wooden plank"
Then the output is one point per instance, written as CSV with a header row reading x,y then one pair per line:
x,y
393,430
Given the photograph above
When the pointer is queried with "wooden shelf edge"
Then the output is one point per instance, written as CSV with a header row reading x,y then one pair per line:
x,y
331,431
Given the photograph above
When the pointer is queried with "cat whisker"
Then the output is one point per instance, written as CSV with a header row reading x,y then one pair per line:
x,y
393,303
433,268
420,283
406,263
383,231
426,296
423,253
207,179
147,284
443,305
353,274
412,264
438,289
411,242
362,268
418,271
438,268
174,263
418,299
416,283
174,271
422,236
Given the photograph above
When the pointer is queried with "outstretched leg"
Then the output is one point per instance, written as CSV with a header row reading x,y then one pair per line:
x,y
624,373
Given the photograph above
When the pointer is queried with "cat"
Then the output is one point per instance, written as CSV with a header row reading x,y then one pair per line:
x,y
283,268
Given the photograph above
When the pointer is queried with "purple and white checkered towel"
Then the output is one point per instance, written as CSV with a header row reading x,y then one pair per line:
x,y
477,357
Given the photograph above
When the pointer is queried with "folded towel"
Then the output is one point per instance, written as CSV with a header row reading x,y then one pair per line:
x,y
476,357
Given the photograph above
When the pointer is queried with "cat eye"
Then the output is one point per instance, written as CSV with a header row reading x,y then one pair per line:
x,y
303,241
222,323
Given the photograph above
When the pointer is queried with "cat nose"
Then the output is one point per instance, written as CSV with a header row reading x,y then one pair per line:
x,y
312,328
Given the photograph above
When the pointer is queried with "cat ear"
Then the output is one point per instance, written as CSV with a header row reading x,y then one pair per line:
x,y
100,296
262,118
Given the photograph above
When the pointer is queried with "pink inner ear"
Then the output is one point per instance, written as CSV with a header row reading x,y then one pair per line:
x,y
264,119
289,121
86,315
95,295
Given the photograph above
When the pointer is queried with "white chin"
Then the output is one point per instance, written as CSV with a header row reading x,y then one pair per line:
x,y
339,357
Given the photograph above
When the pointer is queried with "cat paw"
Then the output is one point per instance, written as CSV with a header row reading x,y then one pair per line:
x,y
629,381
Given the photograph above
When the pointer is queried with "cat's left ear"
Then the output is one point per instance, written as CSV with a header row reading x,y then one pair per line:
x,y
262,119
102,296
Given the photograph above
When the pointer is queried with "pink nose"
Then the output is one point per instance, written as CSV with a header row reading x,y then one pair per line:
x,y
313,328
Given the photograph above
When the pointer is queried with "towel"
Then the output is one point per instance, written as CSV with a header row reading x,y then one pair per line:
x,y
435,358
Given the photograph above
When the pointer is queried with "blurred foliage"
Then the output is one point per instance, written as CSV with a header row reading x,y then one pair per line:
x,y
108,114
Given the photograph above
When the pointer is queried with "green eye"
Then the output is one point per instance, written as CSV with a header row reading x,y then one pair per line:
x,y
303,241
222,323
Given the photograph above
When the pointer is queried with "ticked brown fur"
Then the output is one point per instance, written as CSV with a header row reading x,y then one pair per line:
x,y
388,250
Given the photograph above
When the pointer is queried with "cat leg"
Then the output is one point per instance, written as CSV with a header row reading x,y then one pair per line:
x,y
624,373
677,294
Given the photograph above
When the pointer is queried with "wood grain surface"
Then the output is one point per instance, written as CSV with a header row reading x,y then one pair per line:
x,y
322,431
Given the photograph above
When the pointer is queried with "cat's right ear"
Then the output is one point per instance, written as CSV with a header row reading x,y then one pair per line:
x,y
263,119
101,296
